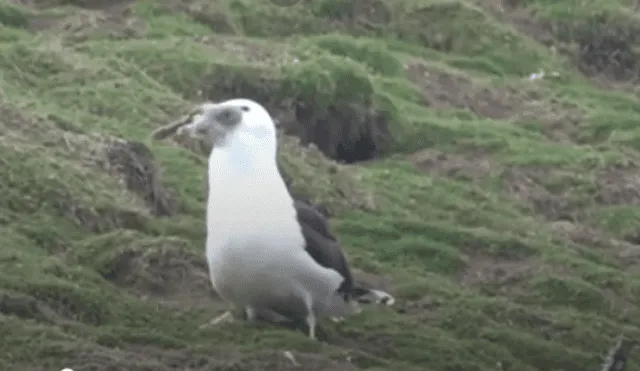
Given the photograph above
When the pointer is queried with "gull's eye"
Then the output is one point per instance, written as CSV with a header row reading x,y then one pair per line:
x,y
245,108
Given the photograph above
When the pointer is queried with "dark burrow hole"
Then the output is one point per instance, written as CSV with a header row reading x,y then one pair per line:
x,y
347,134
633,237
363,149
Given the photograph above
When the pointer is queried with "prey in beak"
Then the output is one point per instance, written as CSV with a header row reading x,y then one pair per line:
x,y
171,129
207,118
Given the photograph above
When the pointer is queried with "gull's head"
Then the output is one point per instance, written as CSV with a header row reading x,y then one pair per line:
x,y
232,121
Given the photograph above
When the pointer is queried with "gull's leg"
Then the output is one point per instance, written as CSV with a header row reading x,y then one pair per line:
x,y
311,319
250,313
226,317
311,322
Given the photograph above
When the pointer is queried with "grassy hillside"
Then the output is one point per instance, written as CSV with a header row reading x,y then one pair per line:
x,y
502,212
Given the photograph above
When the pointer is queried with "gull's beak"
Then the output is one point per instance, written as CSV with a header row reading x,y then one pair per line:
x,y
211,119
192,123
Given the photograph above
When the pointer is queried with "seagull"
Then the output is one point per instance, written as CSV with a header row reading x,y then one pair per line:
x,y
268,254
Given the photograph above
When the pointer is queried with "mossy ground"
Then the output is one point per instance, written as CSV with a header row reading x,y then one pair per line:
x,y
503,214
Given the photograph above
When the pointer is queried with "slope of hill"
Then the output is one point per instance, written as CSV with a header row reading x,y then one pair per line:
x,y
501,211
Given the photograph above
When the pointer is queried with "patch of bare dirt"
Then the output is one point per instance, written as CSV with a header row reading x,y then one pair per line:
x,y
584,235
248,50
630,257
212,14
424,309
166,273
471,166
523,20
566,206
444,91
513,278
16,127
132,164
529,185
501,277
113,19
619,185
568,194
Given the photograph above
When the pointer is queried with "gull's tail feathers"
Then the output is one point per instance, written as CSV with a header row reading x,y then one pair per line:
x,y
365,295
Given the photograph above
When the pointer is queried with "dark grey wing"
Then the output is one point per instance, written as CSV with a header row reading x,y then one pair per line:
x,y
308,214
323,246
